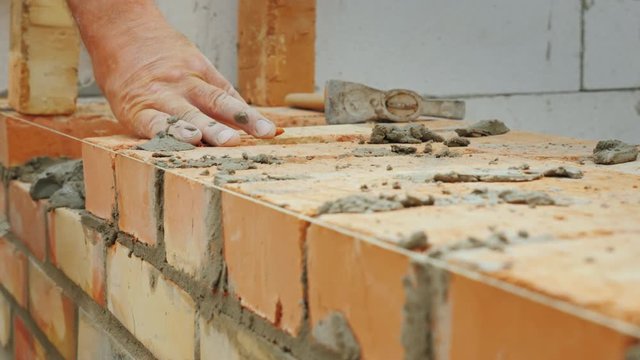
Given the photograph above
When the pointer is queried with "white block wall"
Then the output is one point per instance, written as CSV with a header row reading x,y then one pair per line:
x,y
559,66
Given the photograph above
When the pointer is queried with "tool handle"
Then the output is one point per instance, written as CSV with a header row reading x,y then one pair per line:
x,y
309,101
450,109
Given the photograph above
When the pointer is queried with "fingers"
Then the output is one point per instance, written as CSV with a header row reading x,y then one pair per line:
x,y
219,104
149,122
213,132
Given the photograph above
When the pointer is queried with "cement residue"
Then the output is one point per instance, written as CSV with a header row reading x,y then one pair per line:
x,y
408,134
531,198
62,182
264,159
415,241
334,333
357,204
497,241
29,171
610,152
403,150
225,164
484,128
165,142
564,172
371,152
445,152
457,142
486,176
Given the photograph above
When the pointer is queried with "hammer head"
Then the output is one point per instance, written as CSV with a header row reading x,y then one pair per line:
x,y
349,103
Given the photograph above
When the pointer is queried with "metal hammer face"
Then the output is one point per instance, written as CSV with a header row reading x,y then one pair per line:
x,y
348,103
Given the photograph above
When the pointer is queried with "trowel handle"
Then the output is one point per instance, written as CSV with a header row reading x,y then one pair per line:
x,y
309,101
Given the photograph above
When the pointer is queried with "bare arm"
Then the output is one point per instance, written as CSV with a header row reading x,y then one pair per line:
x,y
149,72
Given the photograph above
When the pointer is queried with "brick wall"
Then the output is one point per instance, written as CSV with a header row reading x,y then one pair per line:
x,y
185,262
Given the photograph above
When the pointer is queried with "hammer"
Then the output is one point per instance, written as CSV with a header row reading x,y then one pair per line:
x,y
348,103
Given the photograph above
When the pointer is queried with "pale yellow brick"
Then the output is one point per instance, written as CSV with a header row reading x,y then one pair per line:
x,y
5,321
154,309
95,343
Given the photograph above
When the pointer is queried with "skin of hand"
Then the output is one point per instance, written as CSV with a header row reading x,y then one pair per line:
x,y
151,75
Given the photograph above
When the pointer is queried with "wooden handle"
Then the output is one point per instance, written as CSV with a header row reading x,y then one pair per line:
x,y
309,101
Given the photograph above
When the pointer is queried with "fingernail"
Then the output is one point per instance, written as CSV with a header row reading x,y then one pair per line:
x,y
225,135
264,128
188,132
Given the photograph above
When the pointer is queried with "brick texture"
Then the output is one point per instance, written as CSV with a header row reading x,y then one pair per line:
x,y
25,345
155,310
99,180
136,196
5,321
13,271
489,323
363,282
189,222
263,251
3,200
52,310
95,343
78,251
27,218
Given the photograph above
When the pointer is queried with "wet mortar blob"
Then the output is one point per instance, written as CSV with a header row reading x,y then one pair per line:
x,y
484,128
610,152
407,134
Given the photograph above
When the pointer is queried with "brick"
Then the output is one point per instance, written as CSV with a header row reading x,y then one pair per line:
x,y
43,58
361,280
78,251
611,44
263,253
276,49
488,322
13,271
27,218
190,220
52,310
95,343
25,345
136,197
3,200
154,309
5,321
99,180
223,338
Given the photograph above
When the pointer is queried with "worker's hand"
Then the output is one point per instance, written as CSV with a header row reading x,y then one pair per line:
x,y
149,72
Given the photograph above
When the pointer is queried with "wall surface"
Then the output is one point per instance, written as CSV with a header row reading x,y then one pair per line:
x,y
557,66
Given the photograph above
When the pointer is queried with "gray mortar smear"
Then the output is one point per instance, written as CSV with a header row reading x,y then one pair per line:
x,y
334,332
408,134
531,198
497,241
403,150
610,152
358,204
28,171
416,241
62,182
224,164
165,142
457,142
564,172
484,128
371,152
486,176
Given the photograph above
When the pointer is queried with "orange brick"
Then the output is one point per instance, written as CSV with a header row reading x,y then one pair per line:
x,y
136,196
263,252
24,137
78,251
52,311
25,345
27,218
276,49
154,309
99,180
13,271
490,323
362,281
3,201
189,222
5,322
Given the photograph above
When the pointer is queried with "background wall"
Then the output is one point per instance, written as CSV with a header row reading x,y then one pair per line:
x,y
560,66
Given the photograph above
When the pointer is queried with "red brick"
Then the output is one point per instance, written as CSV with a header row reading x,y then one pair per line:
x,y
136,196
263,252
361,280
27,218
25,345
489,323
52,310
99,180
78,251
13,271
188,222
